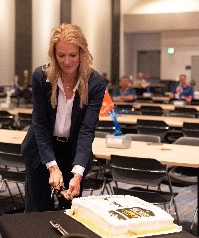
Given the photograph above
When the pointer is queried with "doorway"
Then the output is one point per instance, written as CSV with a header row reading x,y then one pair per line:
x,y
148,62
195,71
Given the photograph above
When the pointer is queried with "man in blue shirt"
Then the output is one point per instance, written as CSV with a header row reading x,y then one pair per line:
x,y
183,90
124,92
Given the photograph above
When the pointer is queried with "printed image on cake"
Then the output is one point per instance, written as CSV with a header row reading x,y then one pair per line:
x,y
121,216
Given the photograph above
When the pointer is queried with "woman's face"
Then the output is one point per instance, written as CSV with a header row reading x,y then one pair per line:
x,y
68,57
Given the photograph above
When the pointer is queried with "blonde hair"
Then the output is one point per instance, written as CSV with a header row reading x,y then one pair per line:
x,y
70,33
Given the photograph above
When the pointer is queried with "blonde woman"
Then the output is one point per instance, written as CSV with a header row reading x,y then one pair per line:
x,y
67,96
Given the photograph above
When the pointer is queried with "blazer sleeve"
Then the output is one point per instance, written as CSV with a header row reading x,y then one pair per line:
x,y
41,117
97,86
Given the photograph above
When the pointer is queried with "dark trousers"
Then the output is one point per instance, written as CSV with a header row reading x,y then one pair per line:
x,y
38,190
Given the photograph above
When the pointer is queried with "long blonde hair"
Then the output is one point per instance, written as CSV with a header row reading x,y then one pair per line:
x,y
70,34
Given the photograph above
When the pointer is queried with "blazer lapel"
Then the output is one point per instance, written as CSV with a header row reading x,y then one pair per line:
x,y
52,111
75,111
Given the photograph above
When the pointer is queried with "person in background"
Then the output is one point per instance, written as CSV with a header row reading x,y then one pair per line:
x,y
108,82
67,97
141,84
183,90
104,75
16,89
124,92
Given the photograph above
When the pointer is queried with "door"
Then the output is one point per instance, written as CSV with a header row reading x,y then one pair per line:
x,y
195,71
148,62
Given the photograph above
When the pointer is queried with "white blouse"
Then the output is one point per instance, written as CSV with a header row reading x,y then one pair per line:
x,y
63,121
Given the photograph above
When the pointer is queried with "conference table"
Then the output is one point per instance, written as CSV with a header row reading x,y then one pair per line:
x,y
168,154
17,110
132,119
37,225
127,119
166,107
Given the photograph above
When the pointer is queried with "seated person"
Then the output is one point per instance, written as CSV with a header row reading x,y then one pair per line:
x,y
16,88
141,84
108,81
124,92
183,90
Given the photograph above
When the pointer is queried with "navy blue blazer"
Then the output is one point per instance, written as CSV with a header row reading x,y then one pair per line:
x,y
37,146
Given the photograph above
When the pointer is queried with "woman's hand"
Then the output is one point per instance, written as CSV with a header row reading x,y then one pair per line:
x,y
55,179
74,187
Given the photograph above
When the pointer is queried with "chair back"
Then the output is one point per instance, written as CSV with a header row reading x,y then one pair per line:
x,y
6,119
190,129
145,138
193,141
152,127
137,171
101,134
151,110
24,120
124,109
106,126
12,164
10,155
184,112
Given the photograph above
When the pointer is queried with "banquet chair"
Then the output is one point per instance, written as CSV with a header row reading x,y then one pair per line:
x,y
143,99
194,218
24,121
6,119
101,134
153,127
151,110
12,168
95,179
144,172
145,138
106,126
184,112
124,109
190,129
184,176
195,101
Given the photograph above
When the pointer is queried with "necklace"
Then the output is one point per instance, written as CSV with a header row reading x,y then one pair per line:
x,y
68,83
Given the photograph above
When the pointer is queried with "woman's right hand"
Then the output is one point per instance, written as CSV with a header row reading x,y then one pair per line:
x,y
56,178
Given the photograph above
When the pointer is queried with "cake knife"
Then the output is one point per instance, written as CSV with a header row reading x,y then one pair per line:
x,y
59,228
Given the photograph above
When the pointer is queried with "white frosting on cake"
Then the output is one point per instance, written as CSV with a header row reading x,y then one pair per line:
x,y
118,214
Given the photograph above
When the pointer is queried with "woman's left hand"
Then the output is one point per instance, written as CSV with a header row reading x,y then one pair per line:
x,y
74,187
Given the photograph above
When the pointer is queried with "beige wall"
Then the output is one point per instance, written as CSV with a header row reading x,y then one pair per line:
x,y
161,22
7,41
136,42
94,17
176,22
186,44
45,18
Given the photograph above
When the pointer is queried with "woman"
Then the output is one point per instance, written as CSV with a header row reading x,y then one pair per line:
x,y
67,97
